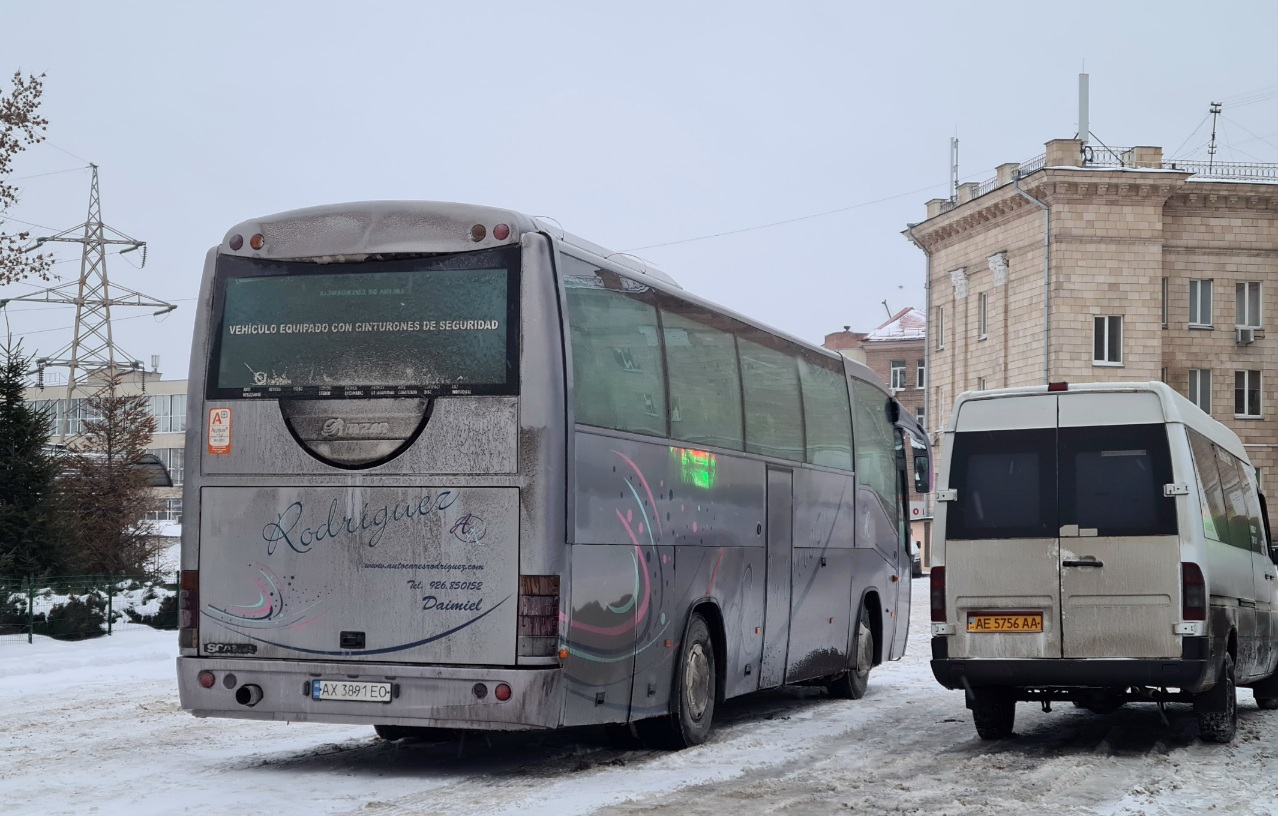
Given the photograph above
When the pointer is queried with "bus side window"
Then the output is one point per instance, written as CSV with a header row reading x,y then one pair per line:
x,y
875,446
827,416
705,381
773,408
618,377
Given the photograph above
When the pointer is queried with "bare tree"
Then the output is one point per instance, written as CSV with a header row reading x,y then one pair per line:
x,y
20,126
106,493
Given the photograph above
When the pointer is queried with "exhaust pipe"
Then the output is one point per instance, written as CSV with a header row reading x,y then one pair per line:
x,y
248,695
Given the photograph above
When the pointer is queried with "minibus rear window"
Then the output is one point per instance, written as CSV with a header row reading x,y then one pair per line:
x,y
1006,484
1112,480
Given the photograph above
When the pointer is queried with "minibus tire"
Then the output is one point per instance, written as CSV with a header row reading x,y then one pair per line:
x,y
692,695
853,683
1217,708
994,715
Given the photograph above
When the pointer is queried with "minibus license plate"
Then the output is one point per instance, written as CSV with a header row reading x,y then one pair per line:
x,y
345,690
1028,622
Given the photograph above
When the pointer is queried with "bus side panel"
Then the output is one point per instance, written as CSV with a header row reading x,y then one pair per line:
x,y
666,506
821,603
612,609
819,613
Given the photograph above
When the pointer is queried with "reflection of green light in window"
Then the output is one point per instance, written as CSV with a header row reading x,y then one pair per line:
x,y
696,467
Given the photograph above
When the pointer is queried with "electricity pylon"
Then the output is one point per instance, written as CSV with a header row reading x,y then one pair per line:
x,y
92,351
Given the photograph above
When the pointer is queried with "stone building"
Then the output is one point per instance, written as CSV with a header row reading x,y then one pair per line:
x,y
1090,264
167,402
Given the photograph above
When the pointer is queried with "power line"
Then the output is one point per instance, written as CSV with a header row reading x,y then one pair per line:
x,y
1176,152
787,221
51,173
68,152
1253,135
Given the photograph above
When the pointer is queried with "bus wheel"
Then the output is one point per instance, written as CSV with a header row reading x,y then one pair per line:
x,y
994,715
1217,708
691,698
853,683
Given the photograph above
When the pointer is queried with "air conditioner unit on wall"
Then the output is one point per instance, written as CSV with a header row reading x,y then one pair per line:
x,y
1245,336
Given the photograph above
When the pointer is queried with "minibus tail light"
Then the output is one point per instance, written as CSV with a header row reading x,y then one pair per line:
x,y
538,615
1193,592
188,608
938,594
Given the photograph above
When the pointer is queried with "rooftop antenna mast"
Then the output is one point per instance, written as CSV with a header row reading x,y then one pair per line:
x,y
92,350
954,176
1211,146
1084,126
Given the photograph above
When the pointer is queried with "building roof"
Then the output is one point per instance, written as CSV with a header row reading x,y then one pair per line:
x,y
907,324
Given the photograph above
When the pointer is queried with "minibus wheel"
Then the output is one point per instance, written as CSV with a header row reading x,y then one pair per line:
x,y
1217,708
994,715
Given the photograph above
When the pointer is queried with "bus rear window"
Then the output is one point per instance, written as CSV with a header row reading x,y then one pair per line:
x,y
398,328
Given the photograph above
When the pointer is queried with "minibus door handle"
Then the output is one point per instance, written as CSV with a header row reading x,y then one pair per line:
x,y
1088,561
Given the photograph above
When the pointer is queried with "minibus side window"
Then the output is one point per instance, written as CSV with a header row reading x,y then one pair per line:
x,y
1215,516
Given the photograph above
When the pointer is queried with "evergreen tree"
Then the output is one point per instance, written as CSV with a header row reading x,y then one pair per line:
x,y
106,494
30,543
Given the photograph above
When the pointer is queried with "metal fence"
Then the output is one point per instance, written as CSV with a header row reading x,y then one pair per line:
x,y
79,607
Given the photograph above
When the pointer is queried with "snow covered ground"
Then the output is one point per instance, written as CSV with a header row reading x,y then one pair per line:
x,y
94,727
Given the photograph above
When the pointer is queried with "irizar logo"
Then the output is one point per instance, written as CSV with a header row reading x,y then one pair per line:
x,y
338,428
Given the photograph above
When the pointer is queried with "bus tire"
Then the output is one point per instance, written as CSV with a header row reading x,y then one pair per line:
x,y
692,696
853,683
994,715
1217,708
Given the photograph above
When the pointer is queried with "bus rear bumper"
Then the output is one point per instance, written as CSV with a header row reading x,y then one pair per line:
x,y
425,696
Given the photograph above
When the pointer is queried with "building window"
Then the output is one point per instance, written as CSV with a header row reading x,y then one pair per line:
x,y
983,311
898,375
1247,305
1107,341
920,374
940,327
980,383
169,411
1200,388
166,510
172,459
1164,303
1246,393
1200,303
921,413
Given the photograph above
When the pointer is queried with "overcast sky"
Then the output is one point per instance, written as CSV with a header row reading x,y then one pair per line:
x,y
638,126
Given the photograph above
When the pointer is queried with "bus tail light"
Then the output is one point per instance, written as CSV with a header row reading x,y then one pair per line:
x,y
1193,592
938,594
538,615
188,609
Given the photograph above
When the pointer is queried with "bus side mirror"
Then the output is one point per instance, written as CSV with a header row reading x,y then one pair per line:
x,y
922,473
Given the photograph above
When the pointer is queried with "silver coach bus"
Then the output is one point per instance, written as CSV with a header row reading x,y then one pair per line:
x,y
452,468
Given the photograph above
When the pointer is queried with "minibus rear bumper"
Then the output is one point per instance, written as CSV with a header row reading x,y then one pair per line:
x,y
1190,672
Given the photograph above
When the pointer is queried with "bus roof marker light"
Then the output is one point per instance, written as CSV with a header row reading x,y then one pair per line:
x,y
478,232
236,241
257,240
501,232
1057,386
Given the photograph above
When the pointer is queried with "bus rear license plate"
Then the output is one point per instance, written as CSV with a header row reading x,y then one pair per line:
x,y
346,690
1023,622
